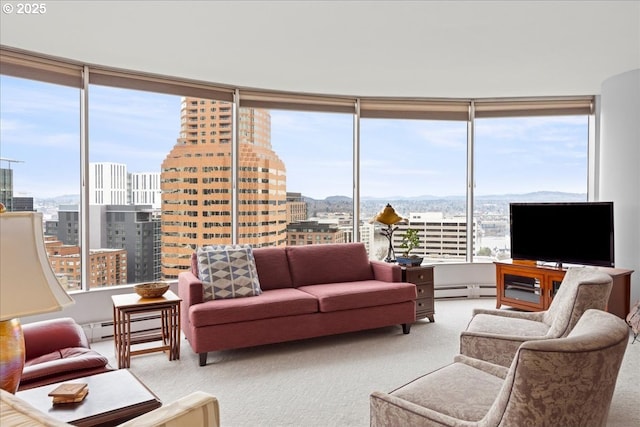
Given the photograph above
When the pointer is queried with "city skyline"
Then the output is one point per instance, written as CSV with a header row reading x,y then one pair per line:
x,y
139,129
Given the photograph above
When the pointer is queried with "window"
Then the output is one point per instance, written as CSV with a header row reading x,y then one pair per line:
x,y
316,149
40,146
419,167
524,159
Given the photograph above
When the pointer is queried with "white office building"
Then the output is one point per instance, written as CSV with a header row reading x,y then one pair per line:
x,y
145,189
441,238
108,184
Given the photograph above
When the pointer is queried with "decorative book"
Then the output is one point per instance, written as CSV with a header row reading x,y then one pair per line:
x,y
69,393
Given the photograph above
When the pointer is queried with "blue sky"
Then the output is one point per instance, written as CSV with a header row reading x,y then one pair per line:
x,y
39,124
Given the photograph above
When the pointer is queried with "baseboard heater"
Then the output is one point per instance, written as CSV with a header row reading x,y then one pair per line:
x,y
100,331
465,290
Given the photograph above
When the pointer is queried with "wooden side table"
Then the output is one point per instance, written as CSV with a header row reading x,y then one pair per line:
x,y
422,277
131,306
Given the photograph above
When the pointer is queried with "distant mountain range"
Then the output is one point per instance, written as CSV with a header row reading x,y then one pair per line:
x,y
446,203
538,196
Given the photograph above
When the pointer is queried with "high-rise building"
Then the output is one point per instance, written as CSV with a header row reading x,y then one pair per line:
x,y
296,208
133,228
22,204
6,188
196,183
108,183
145,189
440,237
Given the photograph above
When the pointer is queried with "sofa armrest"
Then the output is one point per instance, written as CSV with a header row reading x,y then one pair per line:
x,y
47,336
190,288
198,409
387,272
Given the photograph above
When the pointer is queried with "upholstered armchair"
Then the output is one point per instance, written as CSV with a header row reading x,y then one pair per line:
x,y
58,350
556,382
495,335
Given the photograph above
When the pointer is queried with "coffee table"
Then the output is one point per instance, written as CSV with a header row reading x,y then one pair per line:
x,y
114,397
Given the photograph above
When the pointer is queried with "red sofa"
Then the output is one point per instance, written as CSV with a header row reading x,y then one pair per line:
x,y
308,291
58,350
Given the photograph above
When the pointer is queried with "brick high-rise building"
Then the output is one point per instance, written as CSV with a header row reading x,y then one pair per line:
x,y
196,183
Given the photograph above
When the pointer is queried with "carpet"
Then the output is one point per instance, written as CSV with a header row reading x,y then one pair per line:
x,y
326,382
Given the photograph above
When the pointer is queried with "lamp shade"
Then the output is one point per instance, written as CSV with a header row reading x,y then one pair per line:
x,y
28,284
388,216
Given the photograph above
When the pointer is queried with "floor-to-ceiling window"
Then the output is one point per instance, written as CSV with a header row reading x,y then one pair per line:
x,y
524,159
316,149
419,168
309,147
131,133
39,164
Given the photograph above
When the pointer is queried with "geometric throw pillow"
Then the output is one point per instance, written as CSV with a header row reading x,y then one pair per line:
x,y
227,271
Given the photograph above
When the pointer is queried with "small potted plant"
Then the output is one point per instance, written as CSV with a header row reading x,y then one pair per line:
x,y
410,241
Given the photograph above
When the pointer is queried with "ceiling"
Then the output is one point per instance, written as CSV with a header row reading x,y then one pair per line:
x,y
435,49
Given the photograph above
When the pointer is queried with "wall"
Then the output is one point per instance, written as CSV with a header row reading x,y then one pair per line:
x,y
619,167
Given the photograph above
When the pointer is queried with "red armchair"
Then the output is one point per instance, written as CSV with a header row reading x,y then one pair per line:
x,y
58,350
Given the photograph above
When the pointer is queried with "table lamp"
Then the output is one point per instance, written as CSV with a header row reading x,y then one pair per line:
x,y
28,286
389,217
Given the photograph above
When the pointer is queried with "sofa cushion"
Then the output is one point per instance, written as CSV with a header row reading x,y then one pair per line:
x,y
272,267
367,293
271,303
227,271
440,391
62,361
330,263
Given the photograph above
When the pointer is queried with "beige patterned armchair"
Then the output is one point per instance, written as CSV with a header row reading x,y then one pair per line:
x,y
556,382
495,335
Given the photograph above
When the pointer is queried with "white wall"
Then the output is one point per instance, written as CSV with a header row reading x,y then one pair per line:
x,y
620,167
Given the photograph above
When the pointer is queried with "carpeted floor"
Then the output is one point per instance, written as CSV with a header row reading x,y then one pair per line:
x,y
327,381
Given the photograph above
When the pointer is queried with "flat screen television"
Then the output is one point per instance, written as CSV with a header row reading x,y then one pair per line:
x,y
572,232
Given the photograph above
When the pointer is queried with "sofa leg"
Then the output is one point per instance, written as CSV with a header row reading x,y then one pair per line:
x,y
406,328
203,358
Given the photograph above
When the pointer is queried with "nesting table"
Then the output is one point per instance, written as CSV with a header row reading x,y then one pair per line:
x,y
128,307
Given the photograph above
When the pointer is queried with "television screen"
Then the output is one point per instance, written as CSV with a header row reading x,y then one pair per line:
x,y
572,233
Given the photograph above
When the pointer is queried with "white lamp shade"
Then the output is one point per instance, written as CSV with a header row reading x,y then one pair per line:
x,y
28,284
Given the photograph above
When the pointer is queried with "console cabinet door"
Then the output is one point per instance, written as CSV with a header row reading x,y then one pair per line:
x,y
519,288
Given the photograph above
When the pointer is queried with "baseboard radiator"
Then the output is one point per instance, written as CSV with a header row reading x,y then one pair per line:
x,y
100,331
464,290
